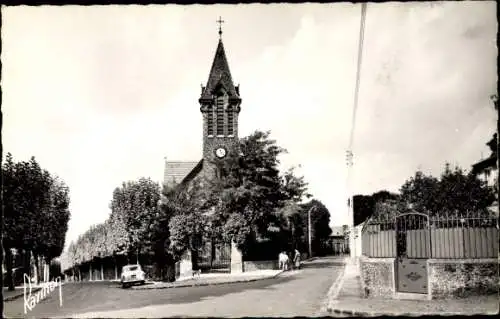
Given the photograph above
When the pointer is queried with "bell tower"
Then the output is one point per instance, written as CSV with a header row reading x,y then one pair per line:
x,y
220,106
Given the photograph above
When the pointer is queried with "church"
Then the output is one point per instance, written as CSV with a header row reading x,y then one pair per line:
x,y
220,107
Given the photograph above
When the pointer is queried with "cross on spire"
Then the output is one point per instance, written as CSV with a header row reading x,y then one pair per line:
x,y
220,22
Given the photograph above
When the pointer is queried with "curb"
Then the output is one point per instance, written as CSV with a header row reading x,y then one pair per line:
x,y
11,298
199,284
355,313
332,292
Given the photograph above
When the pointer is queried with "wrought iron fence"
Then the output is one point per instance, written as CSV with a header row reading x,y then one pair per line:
x,y
216,256
422,236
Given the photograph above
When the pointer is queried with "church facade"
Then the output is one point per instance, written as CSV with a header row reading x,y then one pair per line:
x,y
220,107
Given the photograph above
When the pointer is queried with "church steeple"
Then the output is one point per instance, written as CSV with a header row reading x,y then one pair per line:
x,y
220,76
220,106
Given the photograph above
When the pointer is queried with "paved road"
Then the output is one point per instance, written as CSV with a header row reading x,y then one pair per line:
x,y
295,293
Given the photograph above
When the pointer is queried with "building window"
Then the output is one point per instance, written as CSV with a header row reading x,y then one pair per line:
x,y
210,121
230,121
220,115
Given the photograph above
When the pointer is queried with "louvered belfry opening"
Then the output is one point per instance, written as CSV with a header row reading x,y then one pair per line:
x,y
210,121
219,104
230,121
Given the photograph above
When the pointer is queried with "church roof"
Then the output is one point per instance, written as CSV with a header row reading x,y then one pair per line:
x,y
177,171
219,75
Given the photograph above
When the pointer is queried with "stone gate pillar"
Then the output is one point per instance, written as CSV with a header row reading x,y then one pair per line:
x,y
185,265
236,259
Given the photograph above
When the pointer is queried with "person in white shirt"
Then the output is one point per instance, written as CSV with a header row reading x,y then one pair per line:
x,y
283,261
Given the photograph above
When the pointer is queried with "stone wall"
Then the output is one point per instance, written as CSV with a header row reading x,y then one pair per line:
x,y
448,278
260,265
462,278
377,277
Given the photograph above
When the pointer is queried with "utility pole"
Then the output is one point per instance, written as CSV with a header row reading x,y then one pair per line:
x,y
350,211
350,206
309,229
495,102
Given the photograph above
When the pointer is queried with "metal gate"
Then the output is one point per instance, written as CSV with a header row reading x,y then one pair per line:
x,y
413,250
214,256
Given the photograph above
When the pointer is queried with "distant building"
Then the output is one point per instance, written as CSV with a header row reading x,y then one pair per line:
x,y
338,241
487,169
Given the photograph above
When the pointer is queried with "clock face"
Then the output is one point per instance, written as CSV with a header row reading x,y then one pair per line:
x,y
220,152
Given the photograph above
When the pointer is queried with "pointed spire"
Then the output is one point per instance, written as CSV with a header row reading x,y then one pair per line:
x,y
220,75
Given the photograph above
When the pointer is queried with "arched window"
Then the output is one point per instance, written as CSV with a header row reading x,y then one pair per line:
x,y
220,114
210,121
230,120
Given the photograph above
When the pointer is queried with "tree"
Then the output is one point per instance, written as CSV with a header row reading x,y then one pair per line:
x,y
320,229
35,210
250,194
455,193
187,210
363,208
13,225
243,203
422,191
370,206
178,225
117,235
137,204
293,225
56,215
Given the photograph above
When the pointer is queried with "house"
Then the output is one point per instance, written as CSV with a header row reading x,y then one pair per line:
x,y
338,240
487,169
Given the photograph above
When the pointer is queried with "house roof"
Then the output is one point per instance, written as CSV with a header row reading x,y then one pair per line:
x,y
219,75
337,231
490,162
177,171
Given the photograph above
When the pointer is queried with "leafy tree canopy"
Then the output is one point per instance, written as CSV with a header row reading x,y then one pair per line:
x,y
455,193
251,194
36,210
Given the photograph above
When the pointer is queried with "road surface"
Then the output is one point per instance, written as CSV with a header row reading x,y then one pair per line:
x,y
294,293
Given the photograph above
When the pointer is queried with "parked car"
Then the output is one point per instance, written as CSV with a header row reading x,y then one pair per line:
x,y
132,274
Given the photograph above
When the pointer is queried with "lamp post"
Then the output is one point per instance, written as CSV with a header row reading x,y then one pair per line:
x,y
309,229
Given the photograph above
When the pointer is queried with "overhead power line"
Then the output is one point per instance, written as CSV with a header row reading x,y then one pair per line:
x,y
358,73
349,152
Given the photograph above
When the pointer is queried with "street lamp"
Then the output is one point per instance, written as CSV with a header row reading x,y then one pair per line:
x,y
309,229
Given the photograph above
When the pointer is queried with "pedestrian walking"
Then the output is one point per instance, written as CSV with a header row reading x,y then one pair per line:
x,y
296,259
283,260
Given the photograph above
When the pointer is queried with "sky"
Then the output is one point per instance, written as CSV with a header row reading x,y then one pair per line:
x,y
102,94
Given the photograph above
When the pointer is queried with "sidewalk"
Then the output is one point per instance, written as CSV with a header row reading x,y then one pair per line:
x,y
348,300
212,279
18,292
